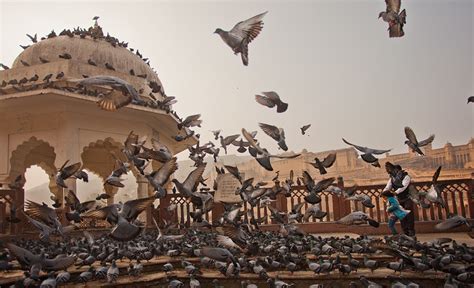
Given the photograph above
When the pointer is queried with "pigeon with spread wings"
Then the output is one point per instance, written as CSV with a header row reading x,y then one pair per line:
x,y
113,101
326,163
241,35
192,181
278,134
368,153
413,143
66,172
158,178
395,19
271,99
261,154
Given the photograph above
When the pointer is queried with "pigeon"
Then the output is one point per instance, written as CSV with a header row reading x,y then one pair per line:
x,y
112,273
65,56
304,129
235,172
413,143
241,35
358,218
470,99
190,121
4,67
261,154
33,39
395,19
278,134
47,77
433,195
60,75
362,198
216,134
43,60
452,222
90,62
368,153
109,66
271,99
160,177
192,181
326,163
66,172
112,101
228,140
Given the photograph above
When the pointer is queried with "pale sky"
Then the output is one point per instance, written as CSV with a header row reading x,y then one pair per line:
x,y
332,61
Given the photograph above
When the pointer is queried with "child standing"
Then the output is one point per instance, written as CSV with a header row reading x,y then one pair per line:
x,y
394,210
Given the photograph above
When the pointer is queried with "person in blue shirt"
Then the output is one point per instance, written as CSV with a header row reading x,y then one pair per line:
x,y
395,210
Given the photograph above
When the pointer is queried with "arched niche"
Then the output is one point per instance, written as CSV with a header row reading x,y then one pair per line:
x,y
37,185
100,157
34,152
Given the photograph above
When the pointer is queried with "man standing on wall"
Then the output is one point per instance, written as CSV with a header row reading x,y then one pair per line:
x,y
399,182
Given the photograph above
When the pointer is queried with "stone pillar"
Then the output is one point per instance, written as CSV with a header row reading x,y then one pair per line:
x,y
142,192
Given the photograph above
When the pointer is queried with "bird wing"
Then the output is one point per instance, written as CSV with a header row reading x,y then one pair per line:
x,y
23,256
305,127
192,118
323,184
285,156
307,180
270,130
427,141
233,170
273,96
393,5
87,205
329,160
264,101
411,135
114,100
163,174
70,170
101,213
229,139
40,212
193,177
251,141
249,29
132,208
297,207
360,148
436,175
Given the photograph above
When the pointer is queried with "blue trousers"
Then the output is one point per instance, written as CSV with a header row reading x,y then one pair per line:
x,y
391,224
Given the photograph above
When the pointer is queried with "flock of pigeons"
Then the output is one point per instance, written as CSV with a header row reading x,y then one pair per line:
x,y
235,243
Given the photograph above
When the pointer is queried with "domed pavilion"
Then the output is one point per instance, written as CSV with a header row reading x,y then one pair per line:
x,y
47,118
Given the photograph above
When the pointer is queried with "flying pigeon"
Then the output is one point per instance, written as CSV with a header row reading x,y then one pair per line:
x,y
326,163
305,128
395,19
278,134
241,35
367,153
271,99
413,143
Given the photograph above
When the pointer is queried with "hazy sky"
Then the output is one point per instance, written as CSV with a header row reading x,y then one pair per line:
x,y
332,61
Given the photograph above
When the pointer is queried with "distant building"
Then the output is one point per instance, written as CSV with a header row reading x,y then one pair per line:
x,y
457,162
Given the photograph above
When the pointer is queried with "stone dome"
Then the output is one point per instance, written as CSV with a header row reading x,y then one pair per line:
x,y
81,50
